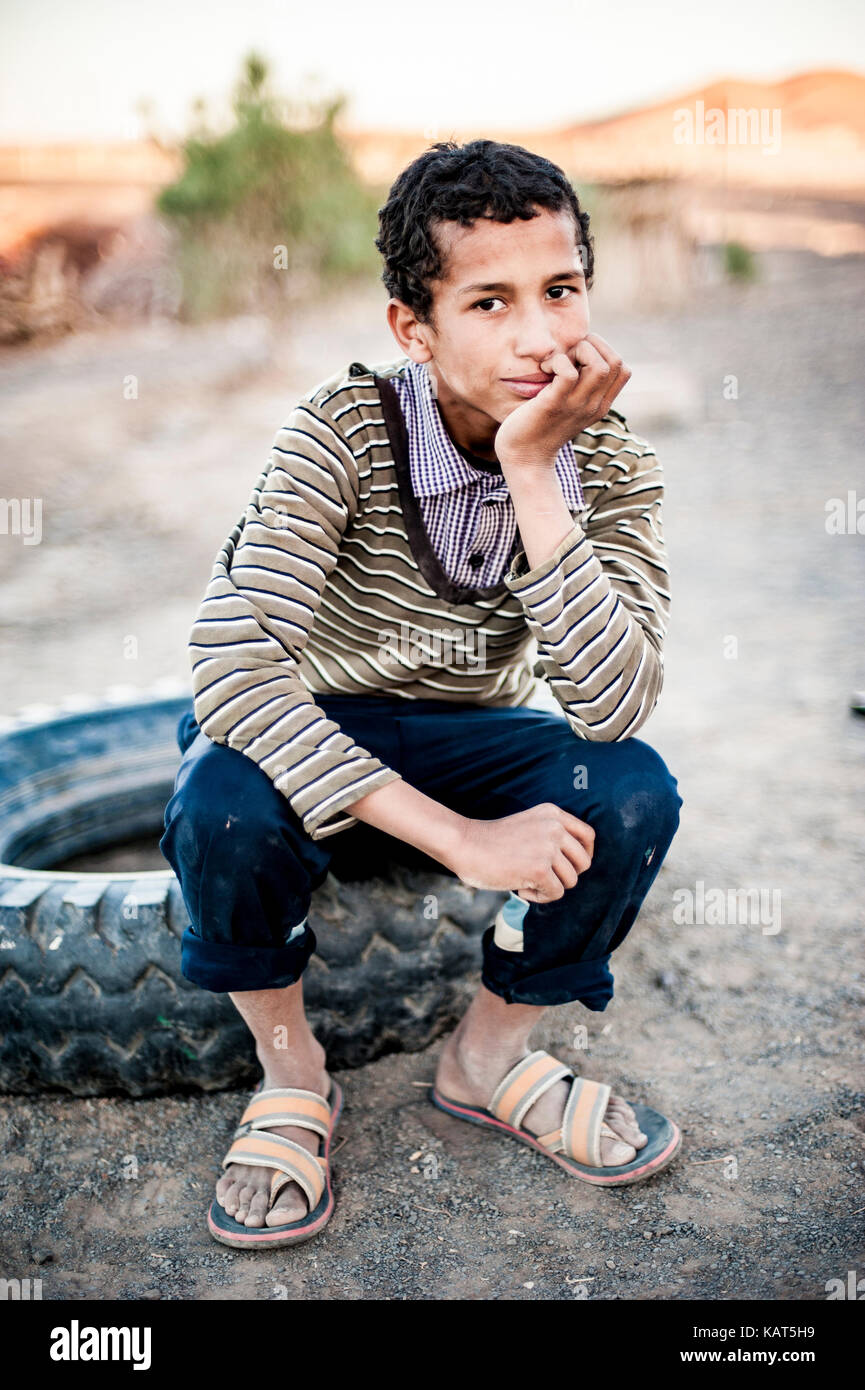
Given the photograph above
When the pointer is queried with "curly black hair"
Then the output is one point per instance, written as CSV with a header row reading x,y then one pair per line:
x,y
459,183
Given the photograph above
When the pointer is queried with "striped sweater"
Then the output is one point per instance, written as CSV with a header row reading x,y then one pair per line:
x,y
328,584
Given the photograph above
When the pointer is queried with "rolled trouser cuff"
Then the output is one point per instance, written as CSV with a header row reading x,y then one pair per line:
x,y
232,967
588,982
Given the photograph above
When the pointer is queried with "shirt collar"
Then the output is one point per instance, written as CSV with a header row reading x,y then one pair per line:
x,y
435,463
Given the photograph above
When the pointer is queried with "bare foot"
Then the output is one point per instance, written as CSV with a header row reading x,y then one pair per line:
x,y
472,1078
244,1189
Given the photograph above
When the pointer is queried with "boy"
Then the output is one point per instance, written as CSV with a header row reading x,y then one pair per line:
x,y
438,493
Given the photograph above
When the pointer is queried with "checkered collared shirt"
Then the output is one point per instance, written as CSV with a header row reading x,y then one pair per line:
x,y
467,512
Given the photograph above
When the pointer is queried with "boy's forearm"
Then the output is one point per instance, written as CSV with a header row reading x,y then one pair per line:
x,y
542,513
399,809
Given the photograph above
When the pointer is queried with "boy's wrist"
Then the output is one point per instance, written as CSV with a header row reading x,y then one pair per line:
x,y
443,835
535,467
449,837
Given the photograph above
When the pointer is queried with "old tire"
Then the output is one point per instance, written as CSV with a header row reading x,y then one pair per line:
x,y
92,1000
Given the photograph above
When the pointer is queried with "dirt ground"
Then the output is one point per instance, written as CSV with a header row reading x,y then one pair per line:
x,y
749,1034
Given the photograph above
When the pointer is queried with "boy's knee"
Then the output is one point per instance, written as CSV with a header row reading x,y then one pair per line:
x,y
216,815
635,793
645,798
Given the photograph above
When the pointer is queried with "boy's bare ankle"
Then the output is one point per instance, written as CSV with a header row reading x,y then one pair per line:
x,y
302,1064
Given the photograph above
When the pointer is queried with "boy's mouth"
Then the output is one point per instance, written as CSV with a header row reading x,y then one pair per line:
x,y
528,385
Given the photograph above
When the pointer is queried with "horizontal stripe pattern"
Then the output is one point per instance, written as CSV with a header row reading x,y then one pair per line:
x,y
599,606
316,591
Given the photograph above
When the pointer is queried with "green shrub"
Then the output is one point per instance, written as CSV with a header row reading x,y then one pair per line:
x,y
268,209
739,263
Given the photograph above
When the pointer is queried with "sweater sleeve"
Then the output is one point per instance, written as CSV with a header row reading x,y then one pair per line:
x,y
255,618
599,605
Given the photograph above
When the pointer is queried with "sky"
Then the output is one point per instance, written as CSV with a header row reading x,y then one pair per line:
x,y
78,69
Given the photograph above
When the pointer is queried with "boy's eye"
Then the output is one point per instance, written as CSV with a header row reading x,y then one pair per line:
x,y
495,299
572,288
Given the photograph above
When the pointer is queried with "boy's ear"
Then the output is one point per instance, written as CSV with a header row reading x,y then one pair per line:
x,y
410,330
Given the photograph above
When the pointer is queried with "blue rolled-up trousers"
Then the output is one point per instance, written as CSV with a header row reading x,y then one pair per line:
x,y
248,869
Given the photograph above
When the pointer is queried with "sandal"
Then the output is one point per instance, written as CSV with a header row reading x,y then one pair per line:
x,y
576,1145
282,1105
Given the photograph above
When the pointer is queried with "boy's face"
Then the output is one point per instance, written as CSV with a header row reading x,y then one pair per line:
x,y
512,293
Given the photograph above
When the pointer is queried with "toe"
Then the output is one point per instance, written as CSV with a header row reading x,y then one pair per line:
x,y
631,1135
257,1210
228,1198
623,1121
620,1104
290,1205
614,1151
244,1198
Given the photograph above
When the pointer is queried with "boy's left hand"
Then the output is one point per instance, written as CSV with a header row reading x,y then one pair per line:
x,y
534,433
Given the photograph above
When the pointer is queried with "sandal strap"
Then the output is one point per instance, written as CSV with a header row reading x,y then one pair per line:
x,y
582,1121
552,1141
279,1180
286,1105
283,1100
275,1151
517,1092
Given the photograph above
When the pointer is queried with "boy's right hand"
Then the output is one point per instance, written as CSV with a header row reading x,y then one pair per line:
x,y
537,853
